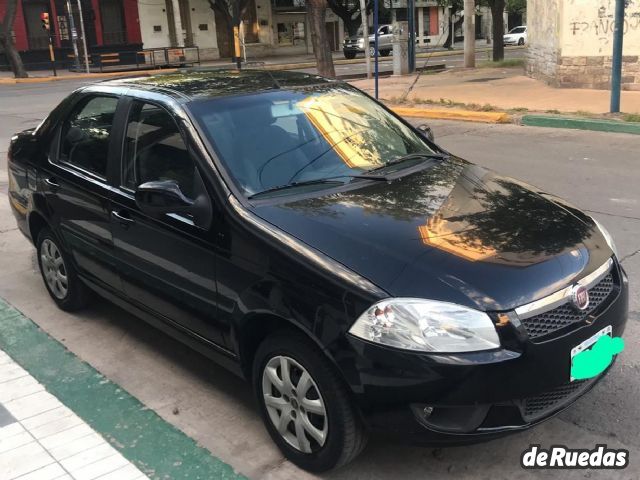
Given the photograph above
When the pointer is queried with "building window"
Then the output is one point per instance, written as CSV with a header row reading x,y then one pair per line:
x,y
113,27
37,37
291,33
289,5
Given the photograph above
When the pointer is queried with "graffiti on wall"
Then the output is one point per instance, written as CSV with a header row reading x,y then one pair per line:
x,y
589,27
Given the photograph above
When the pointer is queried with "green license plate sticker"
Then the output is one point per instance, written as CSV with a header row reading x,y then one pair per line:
x,y
594,355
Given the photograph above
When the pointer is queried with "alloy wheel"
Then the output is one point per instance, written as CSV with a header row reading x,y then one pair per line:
x,y
53,268
294,404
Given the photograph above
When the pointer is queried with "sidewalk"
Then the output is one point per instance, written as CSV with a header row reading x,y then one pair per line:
x,y
502,88
40,438
62,419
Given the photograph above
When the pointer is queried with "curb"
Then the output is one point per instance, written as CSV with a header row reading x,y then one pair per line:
x,y
598,125
153,445
453,114
82,76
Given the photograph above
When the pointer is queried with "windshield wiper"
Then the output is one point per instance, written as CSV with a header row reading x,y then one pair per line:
x,y
411,156
287,186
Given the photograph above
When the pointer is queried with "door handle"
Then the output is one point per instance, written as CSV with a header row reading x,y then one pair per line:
x,y
122,218
51,182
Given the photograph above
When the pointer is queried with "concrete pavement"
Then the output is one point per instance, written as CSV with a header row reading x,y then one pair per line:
x,y
596,171
504,88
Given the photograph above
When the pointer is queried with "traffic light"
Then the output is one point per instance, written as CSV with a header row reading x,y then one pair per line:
x,y
44,17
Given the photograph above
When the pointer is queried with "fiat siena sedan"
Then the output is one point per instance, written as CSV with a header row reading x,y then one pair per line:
x,y
304,236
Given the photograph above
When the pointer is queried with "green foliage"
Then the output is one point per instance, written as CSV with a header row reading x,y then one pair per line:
x,y
631,117
516,6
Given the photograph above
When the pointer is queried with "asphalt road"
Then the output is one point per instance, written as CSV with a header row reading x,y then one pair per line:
x,y
597,171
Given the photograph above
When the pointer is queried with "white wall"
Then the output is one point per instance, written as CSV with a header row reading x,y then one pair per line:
x,y
201,13
151,13
587,28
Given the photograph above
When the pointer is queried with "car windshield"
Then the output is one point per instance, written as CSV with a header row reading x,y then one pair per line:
x,y
272,139
517,30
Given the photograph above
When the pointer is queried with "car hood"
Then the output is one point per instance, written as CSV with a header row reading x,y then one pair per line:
x,y
454,231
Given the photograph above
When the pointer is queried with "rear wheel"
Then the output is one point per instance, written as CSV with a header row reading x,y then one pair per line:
x,y
304,405
59,274
385,53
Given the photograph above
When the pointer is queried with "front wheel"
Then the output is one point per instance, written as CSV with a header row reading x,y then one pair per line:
x,y
372,51
521,42
304,405
349,55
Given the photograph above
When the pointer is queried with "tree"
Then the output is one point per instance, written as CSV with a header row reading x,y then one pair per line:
x,y
230,11
7,43
317,11
455,6
349,13
497,20
516,6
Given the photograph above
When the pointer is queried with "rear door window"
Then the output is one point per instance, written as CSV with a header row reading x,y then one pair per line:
x,y
85,135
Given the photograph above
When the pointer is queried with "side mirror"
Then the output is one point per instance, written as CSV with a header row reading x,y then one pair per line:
x,y
426,132
158,198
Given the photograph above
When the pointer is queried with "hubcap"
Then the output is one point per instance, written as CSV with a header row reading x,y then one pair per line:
x,y
294,404
53,268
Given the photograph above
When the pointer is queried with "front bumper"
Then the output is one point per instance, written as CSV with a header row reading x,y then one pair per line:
x,y
441,399
352,48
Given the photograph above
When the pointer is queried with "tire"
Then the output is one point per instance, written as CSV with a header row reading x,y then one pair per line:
x,y
349,55
521,42
372,51
338,433
59,275
385,53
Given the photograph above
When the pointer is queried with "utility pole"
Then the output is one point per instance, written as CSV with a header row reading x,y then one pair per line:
x,y
365,35
74,35
84,38
616,67
376,26
469,33
411,19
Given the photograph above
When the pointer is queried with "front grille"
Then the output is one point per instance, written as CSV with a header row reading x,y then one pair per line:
x,y
533,408
564,315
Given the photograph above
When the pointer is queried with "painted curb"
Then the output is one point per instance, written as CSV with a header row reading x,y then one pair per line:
x,y
593,124
83,76
156,447
453,114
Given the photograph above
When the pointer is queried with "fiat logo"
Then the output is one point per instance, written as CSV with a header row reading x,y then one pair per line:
x,y
580,297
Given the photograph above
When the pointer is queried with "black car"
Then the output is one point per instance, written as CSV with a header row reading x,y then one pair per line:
x,y
316,244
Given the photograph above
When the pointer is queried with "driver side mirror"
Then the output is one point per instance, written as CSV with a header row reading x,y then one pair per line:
x,y
426,132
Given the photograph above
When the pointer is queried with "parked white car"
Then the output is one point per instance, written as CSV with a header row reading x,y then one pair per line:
x,y
516,36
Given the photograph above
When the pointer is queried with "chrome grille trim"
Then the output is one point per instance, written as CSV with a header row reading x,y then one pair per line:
x,y
562,296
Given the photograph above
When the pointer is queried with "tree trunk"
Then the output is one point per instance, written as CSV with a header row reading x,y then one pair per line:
x,y
451,40
497,20
6,40
317,11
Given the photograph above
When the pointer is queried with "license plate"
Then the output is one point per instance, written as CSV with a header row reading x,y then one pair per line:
x,y
588,343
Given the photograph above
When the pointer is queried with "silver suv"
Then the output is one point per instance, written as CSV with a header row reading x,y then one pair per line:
x,y
355,44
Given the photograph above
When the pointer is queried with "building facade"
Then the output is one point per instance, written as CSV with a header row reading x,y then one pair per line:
x,y
109,26
571,43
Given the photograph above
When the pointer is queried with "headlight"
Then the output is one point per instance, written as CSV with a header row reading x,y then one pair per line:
x,y
607,236
360,41
427,326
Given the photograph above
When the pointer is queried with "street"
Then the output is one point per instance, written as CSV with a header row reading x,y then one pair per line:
x,y
599,172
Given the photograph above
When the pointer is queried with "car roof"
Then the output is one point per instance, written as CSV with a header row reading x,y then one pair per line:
x,y
192,84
